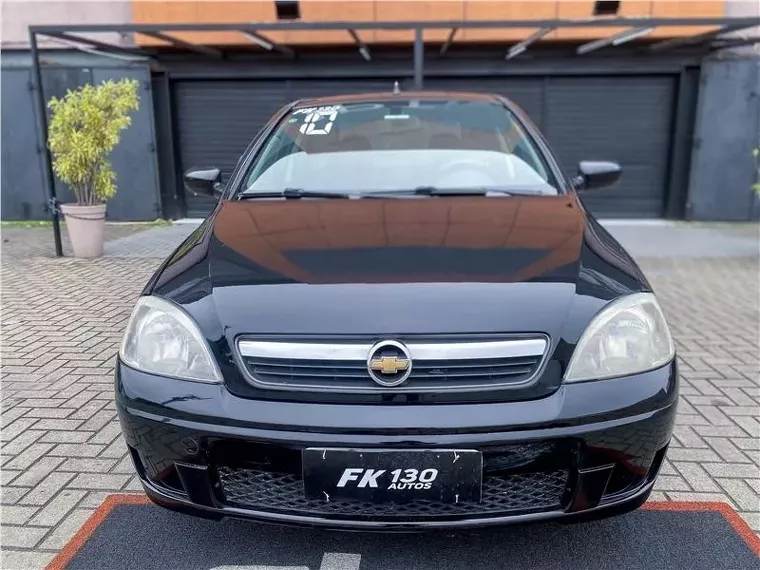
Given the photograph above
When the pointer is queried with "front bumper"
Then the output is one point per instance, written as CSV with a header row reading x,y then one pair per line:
x,y
590,449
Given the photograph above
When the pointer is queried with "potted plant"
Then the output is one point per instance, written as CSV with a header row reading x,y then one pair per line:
x,y
85,126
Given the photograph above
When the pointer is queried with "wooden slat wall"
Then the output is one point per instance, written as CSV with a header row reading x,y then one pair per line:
x,y
220,11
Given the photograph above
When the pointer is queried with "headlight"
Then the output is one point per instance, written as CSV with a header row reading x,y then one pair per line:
x,y
627,337
162,339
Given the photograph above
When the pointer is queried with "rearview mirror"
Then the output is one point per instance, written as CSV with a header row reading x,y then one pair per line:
x,y
206,181
596,174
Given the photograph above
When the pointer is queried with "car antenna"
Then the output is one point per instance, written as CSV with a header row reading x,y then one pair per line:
x,y
396,88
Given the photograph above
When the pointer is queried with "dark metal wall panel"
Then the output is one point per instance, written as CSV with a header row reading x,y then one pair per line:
x,y
23,195
626,120
23,191
727,129
134,158
622,118
217,119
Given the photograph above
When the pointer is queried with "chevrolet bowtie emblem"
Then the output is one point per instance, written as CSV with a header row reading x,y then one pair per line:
x,y
389,364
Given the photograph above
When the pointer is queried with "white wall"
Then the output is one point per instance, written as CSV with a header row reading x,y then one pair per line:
x,y
18,15
744,9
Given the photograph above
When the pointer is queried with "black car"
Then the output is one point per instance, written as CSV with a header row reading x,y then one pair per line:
x,y
398,316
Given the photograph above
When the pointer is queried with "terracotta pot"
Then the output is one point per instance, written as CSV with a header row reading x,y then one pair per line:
x,y
85,225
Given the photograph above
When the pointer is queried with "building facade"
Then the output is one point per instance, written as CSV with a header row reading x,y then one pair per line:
x,y
682,123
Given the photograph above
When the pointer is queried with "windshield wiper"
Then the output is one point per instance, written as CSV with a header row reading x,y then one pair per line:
x,y
295,194
470,191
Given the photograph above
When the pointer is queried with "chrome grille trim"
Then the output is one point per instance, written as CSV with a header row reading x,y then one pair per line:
x,y
452,366
418,351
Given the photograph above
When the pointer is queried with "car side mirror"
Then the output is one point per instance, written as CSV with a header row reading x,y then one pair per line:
x,y
206,181
596,174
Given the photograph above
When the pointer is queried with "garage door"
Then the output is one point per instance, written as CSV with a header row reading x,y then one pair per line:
x,y
216,120
626,119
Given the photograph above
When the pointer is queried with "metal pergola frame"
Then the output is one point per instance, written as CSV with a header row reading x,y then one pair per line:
x,y
255,33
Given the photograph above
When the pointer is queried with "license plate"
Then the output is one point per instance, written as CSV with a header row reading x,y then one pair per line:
x,y
393,476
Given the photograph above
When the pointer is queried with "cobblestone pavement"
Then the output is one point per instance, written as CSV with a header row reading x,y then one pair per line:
x,y
62,321
38,241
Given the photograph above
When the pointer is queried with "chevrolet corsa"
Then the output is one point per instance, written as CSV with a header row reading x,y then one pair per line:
x,y
398,316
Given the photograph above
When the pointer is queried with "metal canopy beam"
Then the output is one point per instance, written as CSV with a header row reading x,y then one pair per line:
x,y
363,49
204,50
678,42
519,48
733,43
614,40
449,40
746,22
267,43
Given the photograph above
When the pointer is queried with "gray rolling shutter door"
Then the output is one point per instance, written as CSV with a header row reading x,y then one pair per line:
x,y
625,119
216,120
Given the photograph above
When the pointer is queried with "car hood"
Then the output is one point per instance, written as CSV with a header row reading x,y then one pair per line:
x,y
397,266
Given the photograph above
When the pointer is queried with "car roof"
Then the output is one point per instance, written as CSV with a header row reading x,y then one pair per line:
x,y
402,96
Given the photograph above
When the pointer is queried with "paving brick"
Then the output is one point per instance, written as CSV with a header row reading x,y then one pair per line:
x,y
124,466
46,489
720,431
688,437
77,450
671,483
741,493
692,454
38,471
16,429
16,515
8,475
727,450
699,497
11,495
88,465
93,499
66,437
750,425
733,470
92,481
22,536
66,529
752,519
31,454
52,513
21,441
117,449
696,477
99,420
24,559
108,433
657,497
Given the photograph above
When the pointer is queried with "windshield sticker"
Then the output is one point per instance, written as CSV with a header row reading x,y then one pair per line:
x,y
318,120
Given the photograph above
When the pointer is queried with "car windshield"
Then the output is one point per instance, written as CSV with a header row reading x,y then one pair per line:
x,y
384,146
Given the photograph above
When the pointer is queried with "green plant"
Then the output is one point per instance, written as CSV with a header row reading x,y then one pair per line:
x,y
85,127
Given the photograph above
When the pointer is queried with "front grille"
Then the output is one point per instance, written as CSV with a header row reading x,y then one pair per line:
x,y
435,367
283,492
438,374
